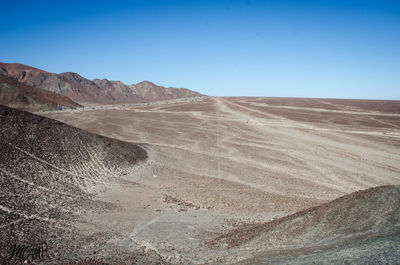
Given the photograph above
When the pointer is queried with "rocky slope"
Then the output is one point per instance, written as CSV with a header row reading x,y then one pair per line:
x,y
18,95
83,90
354,228
49,172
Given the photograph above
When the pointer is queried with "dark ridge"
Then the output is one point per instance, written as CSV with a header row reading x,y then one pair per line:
x,y
358,228
371,211
47,172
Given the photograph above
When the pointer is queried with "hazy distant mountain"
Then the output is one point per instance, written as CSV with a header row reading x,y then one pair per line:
x,y
18,95
150,91
118,91
84,90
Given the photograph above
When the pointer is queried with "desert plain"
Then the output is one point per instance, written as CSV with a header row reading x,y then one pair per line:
x,y
216,163
215,180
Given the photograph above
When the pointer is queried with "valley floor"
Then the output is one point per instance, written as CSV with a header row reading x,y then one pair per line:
x,y
217,163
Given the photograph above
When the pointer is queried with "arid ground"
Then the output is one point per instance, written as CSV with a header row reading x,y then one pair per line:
x,y
219,163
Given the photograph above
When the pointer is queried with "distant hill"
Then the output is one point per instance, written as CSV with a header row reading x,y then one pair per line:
x,y
150,91
21,96
83,90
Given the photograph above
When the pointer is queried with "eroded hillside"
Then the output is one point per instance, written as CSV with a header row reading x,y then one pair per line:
x,y
49,174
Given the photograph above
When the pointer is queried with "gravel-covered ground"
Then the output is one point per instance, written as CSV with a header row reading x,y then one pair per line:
x,y
214,181
48,174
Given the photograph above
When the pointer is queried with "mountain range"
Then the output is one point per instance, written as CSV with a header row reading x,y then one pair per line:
x,y
18,95
83,90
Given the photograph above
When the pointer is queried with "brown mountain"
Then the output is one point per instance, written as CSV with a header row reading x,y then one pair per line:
x,y
18,95
118,91
150,91
83,90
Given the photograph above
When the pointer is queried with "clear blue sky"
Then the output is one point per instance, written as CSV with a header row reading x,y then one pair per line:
x,y
325,48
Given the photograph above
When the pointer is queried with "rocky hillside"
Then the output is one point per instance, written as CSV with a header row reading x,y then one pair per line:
x,y
21,96
83,90
49,172
356,228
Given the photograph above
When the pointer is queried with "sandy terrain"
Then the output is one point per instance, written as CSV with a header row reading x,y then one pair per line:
x,y
218,163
